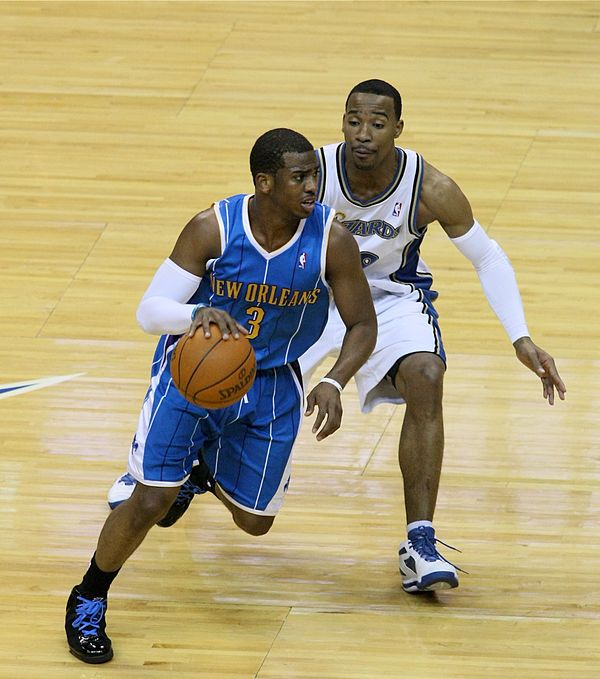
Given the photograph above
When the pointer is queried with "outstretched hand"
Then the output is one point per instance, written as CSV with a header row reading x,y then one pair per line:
x,y
329,404
542,364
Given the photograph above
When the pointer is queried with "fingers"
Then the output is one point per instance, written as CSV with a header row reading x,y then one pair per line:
x,y
331,423
310,405
227,325
318,422
542,364
548,387
552,379
326,399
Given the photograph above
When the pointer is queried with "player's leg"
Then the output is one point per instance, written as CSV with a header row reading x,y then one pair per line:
x,y
122,533
408,365
251,460
199,480
160,460
419,380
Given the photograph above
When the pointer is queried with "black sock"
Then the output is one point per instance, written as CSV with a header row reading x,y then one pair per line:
x,y
96,582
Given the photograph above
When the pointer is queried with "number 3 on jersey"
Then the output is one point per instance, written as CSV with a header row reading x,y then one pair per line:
x,y
258,314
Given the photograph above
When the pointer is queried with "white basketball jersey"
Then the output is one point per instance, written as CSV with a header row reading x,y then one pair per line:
x,y
384,226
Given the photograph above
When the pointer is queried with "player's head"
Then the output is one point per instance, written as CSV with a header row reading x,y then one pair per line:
x,y
382,89
371,125
284,169
268,150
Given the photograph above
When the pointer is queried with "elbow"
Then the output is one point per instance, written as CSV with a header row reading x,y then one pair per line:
x,y
147,319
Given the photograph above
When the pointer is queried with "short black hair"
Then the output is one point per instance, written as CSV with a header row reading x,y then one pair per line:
x,y
381,88
267,153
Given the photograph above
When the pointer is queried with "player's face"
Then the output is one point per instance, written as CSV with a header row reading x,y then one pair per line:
x,y
370,129
296,183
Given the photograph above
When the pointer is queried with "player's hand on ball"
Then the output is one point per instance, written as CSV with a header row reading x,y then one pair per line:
x,y
227,325
326,398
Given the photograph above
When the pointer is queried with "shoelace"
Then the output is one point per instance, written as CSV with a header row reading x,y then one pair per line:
x,y
425,546
89,615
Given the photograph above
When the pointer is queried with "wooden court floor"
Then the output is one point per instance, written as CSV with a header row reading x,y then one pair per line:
x,y
119,121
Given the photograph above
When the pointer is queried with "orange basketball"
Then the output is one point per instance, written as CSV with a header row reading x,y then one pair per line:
x,y
212,372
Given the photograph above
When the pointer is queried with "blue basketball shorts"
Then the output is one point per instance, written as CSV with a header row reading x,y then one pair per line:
x,y
247,446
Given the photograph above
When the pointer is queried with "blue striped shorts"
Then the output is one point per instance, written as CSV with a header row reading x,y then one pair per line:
x,y
247,446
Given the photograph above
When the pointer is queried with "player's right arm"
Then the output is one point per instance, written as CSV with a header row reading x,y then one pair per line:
x,y
164,308
355,305
442,201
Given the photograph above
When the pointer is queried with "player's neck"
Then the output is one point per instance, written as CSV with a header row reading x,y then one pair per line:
x,y
270,229
366,183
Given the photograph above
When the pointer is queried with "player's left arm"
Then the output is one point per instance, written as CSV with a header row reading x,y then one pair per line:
x,y
353,300
443,201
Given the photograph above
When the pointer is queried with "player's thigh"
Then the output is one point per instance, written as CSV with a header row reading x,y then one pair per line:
x,y
407,325
251,459
169,434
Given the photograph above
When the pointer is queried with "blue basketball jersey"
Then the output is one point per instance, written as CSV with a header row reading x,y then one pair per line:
x,y
281,297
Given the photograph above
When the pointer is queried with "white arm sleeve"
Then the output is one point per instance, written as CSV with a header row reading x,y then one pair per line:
x,y
163,308
497,279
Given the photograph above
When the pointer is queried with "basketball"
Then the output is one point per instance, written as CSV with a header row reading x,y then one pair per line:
x,y
212,372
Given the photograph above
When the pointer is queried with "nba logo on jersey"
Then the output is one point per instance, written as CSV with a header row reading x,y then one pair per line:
x,y
396,211
302,260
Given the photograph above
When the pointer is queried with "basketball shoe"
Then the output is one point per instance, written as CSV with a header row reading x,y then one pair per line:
x,y
85,625
121,490
199,482
422,567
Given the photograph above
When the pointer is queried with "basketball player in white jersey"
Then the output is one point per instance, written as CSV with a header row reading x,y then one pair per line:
x,y
387,197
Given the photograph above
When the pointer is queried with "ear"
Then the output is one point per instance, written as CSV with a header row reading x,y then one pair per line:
x,y
399,128
343,121
263,183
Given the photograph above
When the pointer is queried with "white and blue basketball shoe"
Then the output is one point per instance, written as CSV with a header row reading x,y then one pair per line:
x,y
121,490
422,567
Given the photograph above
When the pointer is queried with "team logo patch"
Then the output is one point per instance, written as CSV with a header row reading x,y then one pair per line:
x,y
396,210
16,388
302,260
368,258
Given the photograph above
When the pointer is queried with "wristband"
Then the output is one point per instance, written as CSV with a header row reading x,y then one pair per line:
x,y
196,309
335,383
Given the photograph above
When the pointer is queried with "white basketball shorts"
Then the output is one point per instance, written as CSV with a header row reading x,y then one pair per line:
x,y
406,325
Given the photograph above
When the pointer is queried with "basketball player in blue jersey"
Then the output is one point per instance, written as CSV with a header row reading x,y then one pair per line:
x,y
387,196
267,266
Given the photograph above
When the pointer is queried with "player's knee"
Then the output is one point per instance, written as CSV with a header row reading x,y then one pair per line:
x,y
253,524
152,503
424,375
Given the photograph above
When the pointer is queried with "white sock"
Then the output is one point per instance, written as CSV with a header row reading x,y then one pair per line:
x,y
418,524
